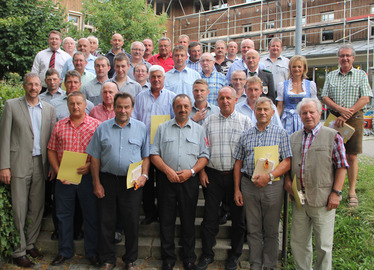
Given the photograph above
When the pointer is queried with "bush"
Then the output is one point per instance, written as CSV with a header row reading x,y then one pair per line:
x,y
12,88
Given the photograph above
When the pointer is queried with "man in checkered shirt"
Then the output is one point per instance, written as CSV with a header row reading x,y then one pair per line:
x,y
74,134
346,92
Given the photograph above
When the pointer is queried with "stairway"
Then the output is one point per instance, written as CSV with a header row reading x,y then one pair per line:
x,y
149,239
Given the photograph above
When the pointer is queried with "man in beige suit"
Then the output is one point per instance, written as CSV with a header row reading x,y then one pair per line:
x,y
26,125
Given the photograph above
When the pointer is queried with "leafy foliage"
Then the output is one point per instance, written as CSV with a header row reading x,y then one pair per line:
x,y
24,27
131,18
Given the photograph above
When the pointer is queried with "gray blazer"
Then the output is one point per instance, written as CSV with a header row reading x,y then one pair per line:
x,y
17,137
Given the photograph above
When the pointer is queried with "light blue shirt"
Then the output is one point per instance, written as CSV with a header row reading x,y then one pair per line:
x,y
194,65
70,66
240,65
130,72
92,91
210,109
130,86
117,147
245,109
180,147
36,122
216,81
146,105
181,82
61,106
47,96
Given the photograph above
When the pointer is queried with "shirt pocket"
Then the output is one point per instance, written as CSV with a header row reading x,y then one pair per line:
x,y
135,146
192,148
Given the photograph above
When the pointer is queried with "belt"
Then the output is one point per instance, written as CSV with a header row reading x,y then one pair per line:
x,y
221,172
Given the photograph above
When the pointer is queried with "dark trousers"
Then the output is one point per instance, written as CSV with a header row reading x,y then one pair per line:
x,y
149,193
65,207
128,202
221,186
173,197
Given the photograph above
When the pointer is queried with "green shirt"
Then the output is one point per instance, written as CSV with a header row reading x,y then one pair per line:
x,y
346,90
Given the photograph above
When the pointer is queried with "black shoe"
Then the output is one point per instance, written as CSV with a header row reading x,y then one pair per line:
x,y
204,262
167,266
117,237
54,235
148,220
189,266
59,260
78,236
224,218
94,260
232,264
23,261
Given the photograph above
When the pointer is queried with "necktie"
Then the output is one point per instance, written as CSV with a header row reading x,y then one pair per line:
x,y
52,61
253,73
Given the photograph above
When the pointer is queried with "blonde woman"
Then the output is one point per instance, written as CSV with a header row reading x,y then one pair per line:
x,y
292,91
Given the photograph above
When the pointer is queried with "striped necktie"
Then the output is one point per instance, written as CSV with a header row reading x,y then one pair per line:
x,y
52,61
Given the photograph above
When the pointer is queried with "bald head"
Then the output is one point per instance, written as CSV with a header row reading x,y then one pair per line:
x,y
108,91
252,58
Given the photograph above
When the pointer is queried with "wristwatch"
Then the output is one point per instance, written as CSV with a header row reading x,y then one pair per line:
x,y
339,193
271,177
193,173
146,176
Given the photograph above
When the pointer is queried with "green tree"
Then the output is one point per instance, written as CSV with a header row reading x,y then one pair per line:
x,y
24,27
133,19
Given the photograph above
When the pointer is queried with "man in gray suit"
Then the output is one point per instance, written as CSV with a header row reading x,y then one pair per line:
x,y
26,125
252,61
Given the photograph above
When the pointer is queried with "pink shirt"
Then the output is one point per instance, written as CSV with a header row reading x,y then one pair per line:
x,y
101,113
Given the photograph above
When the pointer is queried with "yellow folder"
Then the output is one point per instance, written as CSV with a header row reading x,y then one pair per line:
x,y
133,173
157,120
267,152
70,162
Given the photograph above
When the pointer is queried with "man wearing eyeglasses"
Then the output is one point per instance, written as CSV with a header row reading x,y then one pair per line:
x,y
137,54
346,92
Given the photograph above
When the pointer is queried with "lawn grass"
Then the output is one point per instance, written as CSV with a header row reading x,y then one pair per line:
x,y
354,228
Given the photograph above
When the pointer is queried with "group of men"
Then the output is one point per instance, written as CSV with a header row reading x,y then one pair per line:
x,y
221,109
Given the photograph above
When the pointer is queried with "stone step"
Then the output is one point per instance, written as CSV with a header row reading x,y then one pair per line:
x,y
148,247
153,229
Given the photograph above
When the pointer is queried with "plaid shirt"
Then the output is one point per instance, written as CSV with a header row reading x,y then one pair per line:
x,y
345,90
272,135
216,80
195,66
76,139
338,153
223,135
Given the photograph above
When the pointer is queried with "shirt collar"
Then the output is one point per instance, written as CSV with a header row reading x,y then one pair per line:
x,y
114,124
231,116
188,124
37,105
266,128
315,130
350,71
84,121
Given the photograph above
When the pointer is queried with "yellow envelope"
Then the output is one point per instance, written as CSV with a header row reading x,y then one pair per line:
x,y
133,173
70,162
157,120
269,152
295,190
345,131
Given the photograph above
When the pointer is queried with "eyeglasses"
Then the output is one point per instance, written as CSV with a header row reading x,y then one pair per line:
x,y
136,49
345,55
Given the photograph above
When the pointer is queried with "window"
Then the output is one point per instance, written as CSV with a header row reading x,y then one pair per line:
x,y
247,28
207,47
329,16
270,25
327,35
76,18
204,5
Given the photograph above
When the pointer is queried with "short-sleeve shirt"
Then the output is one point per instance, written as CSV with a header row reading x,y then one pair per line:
x,y
180,147
117,147
272,135
279,68
346,90
223,134
66,137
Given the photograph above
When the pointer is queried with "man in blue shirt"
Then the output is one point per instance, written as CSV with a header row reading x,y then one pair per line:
x,y
180,79
179,151
156,101
116,144
261,194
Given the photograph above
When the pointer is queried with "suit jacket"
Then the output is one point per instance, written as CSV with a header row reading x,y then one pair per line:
x,y
17,137
267,81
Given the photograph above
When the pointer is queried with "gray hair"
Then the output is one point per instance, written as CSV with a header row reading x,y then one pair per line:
x,y
347,46
30,75
93,37
263,100
308,100
164,38
137,43
157,68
